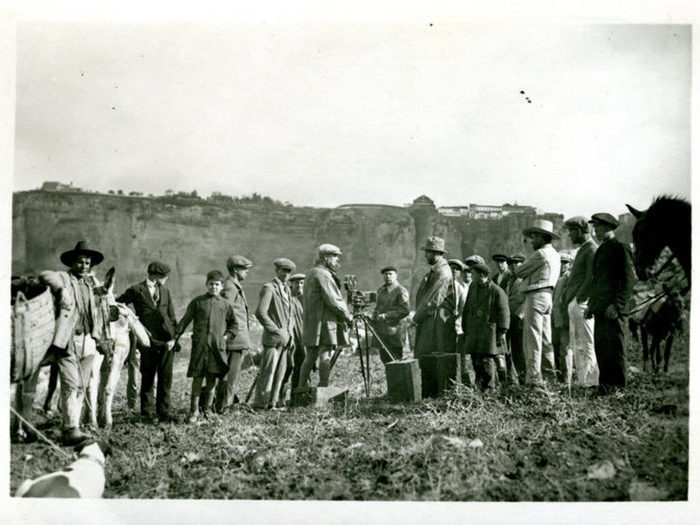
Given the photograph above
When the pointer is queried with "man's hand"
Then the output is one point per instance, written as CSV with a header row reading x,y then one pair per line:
x,y
170,344
501,340
611,312
380,317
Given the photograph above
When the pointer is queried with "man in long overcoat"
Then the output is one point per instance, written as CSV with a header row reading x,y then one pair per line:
x,y
433,316
485,321
613,280
325,314
392,306
275,314
154,308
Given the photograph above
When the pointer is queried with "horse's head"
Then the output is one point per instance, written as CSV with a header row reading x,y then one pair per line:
x,y
648,239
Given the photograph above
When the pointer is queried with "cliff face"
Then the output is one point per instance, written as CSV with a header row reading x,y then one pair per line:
x,y
194,239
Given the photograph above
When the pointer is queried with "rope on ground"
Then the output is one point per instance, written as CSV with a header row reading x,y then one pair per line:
x,y
42,436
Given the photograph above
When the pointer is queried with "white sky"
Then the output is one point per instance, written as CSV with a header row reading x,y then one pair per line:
x,y
325,114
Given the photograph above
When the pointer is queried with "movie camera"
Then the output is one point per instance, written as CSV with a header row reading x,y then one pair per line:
x,y
359,299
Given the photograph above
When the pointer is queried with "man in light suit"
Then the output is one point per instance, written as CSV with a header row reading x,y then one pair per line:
x,y
325,315
275,314
154,308
539,272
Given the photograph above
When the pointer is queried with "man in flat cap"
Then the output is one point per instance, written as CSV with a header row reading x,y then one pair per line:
x,y
153,306
392,306
611,288
238,267
502,276
575,298
297,353
454,304
563,358
432,318
516,305
275,314
74,341
325,314
540,272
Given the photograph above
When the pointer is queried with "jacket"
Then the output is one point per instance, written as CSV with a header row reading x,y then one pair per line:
x,y
433,317
394,303
581,274
486,314
560,311
613,277
159,319
275,313
503,279
233,293
325,311
540,270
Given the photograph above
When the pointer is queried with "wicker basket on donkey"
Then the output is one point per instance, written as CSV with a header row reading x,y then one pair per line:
x,y
33,323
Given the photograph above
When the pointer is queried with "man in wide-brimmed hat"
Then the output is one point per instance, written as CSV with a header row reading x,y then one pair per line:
x,y
433,313
74,338
540,272
611,288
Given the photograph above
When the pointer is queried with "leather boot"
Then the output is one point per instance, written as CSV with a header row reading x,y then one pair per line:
x,y
194,410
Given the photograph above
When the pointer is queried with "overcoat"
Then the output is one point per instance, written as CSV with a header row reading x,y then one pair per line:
x,y
275,313
485,313
325,311
233,293
433,316
213,323
392,301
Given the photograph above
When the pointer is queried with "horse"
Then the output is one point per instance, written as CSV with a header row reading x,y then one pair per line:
x,y
665,223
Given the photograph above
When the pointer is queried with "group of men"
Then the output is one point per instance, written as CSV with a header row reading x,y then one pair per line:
x,y
503,323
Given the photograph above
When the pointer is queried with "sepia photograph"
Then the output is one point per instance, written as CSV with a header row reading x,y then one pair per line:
x,y
426,259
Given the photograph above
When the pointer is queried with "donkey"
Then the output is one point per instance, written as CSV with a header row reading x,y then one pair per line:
x,y
662,325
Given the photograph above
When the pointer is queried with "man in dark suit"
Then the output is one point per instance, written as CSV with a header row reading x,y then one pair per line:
x,y
611,288
154,308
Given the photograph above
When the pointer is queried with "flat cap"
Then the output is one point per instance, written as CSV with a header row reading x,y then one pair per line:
x,y
577,222
328,249
456,262
565,257
474,259
238,261
297,277
481,268
285,264
215,275
434,244
604,218
518,257
158,268
388,269
499,257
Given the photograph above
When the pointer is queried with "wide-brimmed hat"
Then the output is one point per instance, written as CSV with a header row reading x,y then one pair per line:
x,y
456,262
541,226
604,218
81,248
434,244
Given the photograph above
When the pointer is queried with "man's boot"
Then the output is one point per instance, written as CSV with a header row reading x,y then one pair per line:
x,y
208,402
194,409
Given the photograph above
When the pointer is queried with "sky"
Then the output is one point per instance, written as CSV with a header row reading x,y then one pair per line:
x,y
569,118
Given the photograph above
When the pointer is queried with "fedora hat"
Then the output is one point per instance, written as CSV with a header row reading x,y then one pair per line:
x,y
541,226
81,248
434,244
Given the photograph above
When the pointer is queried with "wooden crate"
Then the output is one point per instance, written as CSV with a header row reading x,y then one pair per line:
x,y
403,381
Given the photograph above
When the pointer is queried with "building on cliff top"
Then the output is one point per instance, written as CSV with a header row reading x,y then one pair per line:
x,y
58,186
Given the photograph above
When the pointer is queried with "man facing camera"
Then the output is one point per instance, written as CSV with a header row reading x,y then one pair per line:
x,y
392,306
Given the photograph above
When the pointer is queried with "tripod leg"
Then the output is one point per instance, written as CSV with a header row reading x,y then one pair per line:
x,y
359,353
382,346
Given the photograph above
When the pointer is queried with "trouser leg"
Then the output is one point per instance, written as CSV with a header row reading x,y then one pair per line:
x,y
73,375
610,352
312,353
279,374
324,365
133,363
226,386
263,387
581,335
532,340
516,347
149,366
165,381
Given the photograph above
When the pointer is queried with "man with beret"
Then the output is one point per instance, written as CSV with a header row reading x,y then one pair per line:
x,y
539,272
560,323
485,322
238,267
73,345
516,305
434,323
611,288
275,314
325,315
153,306
502,276
295,357
575,299
392,306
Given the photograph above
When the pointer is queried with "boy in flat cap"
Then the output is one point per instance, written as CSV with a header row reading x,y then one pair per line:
x,y
325,315
213,327
153,306
433,335
392,306
516,305
240,343
563,358
275,314
611,288
502,276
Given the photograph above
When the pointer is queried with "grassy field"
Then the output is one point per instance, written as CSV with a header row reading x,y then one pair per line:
x,y
514,446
